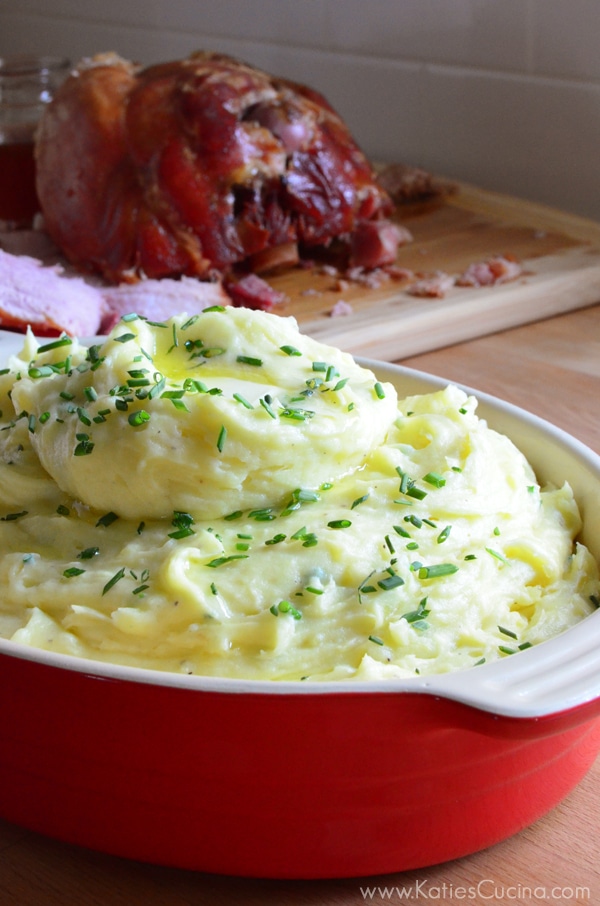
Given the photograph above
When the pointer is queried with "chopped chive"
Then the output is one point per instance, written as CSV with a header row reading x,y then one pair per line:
x,y
88,553
319,366
437,570
314,591
497,555
55,344
435,479
376,639
339,523
416,493
359,500
236,515
290,350
505,650
125,337
11,517
184,532
285,607
221,438
276,539
262,515
444,534
63,510
299,415
107,519
508,632
241,399
379,391
310,540
267,406
84,446
416,617
220,561
73,571
391,582
249,360
112,582
138,418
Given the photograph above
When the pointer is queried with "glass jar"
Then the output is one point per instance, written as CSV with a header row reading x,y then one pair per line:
x,y
27,84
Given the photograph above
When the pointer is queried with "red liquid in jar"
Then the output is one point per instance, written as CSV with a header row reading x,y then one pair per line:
x,y
18,198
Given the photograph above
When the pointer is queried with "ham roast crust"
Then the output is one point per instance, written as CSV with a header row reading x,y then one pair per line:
x,y
200,165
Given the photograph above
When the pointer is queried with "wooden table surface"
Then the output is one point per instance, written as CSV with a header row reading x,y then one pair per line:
x,y
551,368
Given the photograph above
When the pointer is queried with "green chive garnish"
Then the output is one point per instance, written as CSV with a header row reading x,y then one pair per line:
x,y
136,419
112,582
249,360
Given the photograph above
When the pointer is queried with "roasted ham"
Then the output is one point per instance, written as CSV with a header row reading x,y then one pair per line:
x,y
199,166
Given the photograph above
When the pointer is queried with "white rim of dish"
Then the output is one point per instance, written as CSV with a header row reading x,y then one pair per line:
x,y
557,675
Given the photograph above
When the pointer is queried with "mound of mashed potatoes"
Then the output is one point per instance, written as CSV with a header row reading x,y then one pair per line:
x,y
221,495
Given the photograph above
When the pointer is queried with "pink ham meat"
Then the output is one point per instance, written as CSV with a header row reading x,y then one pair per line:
x,y
52,302
45,299
201,165
158,300
499,269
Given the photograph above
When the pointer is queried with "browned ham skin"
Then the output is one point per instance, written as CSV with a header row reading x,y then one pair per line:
x,y
198,165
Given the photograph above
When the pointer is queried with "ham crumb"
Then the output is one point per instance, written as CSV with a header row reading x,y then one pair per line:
x,y
488,273
341,308
495,270
434,286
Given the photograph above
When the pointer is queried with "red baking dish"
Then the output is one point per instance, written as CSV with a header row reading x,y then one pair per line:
x,y
299,780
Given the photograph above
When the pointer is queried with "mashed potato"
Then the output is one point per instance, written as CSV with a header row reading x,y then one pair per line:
x,y
221,495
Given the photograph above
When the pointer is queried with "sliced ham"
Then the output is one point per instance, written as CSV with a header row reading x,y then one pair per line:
x,y
52,301
158,300
43,297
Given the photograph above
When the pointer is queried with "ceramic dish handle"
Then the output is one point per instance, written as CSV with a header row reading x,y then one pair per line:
x,y
555,676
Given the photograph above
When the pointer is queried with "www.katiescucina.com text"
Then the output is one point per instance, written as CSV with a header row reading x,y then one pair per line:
x,y
486,890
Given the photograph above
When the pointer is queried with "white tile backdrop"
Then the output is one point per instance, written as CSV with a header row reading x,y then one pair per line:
x,y
501,93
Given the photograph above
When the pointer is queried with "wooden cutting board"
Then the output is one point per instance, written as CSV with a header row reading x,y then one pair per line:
x,y
560,254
